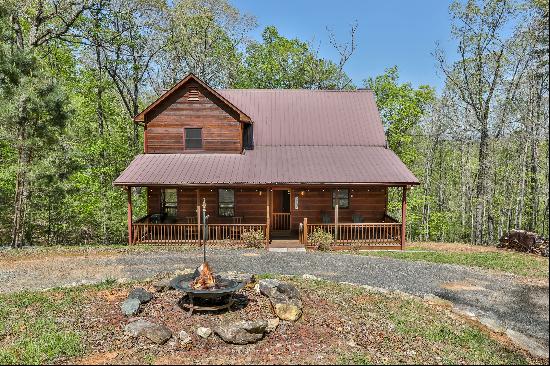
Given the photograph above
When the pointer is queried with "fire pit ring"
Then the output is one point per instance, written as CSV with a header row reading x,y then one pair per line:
x,y
223,292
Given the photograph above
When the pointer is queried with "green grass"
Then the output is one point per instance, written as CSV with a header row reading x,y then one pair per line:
x,y
509,262
34,327
407,330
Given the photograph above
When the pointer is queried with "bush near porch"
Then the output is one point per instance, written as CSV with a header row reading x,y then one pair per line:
x,y
253,238
321,239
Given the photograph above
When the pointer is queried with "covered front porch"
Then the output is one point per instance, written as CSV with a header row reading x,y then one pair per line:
x,y
355,216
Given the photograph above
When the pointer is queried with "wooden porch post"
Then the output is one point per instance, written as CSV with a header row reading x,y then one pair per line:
x,y
198,216
336,223
403,216
130,237
268,218
305,231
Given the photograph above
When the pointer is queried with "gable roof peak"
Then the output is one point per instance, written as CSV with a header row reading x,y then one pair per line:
x,y
140,117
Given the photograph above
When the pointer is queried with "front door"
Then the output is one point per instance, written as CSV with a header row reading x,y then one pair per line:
x,y
280,219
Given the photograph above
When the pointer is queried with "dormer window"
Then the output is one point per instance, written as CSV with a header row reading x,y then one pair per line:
x,y
193,138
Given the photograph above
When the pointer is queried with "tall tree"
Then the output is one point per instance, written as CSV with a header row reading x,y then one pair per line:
x,y
401,107
204,37
480,28
279,62
33,104
126,37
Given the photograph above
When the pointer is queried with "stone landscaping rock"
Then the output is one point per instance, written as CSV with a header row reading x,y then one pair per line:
x,y
141,294
246,278
157,333
272,325
268,287
184,337
162,285
284,297
289,312
130,307
311,277
242,332
136,328
204,332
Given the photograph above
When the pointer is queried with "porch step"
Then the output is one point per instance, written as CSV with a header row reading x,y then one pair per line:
x,y
283,246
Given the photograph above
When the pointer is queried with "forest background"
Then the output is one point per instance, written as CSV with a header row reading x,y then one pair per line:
x,y
73,74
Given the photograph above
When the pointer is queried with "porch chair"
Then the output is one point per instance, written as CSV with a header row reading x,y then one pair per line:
x,y
357,218
325,218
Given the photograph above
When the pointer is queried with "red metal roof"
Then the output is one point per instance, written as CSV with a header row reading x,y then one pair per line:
x,y
300,136
270,165
310,117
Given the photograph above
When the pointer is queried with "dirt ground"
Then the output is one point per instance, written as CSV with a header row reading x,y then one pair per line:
x,y
453,247
338,322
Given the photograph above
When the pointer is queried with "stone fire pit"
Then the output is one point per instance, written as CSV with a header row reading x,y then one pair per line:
x,y
215,298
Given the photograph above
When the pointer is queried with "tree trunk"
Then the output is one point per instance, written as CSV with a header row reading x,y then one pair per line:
x,y
100,113
21,191
481,188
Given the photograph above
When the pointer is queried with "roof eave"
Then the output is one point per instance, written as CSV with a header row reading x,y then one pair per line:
x,y
386,184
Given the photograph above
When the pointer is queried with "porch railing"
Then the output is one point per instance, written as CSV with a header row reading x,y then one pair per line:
x,y
220,233
357,235
280,221
144,232
166,233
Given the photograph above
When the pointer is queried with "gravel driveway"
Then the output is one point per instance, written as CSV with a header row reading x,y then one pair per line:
x,y
499,300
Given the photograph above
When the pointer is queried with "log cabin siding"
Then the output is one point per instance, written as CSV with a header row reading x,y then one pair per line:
x,y
249,205
221,129
153,200
369,202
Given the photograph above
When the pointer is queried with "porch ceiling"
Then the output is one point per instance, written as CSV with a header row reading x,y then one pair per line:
x,y
271,165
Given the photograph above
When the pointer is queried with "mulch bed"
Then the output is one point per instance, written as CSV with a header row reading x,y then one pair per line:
x,y
316,338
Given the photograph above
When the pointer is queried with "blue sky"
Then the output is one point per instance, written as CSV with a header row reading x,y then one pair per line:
x,y
390,32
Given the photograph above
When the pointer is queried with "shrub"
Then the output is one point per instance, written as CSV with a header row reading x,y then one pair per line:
x,y
253,238
321,239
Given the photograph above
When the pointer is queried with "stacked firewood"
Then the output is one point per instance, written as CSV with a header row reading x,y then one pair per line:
x,y
524,241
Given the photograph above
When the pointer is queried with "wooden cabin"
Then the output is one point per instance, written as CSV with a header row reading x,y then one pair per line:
x,y
285,162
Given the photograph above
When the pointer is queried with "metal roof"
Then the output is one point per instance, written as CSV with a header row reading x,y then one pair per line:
x,y
310,117
300,136
271,165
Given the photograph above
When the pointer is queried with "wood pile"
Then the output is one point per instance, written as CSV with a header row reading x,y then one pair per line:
x,y
524,241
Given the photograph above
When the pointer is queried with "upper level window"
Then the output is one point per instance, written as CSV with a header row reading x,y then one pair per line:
x,y
340,197
193,138
226,202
